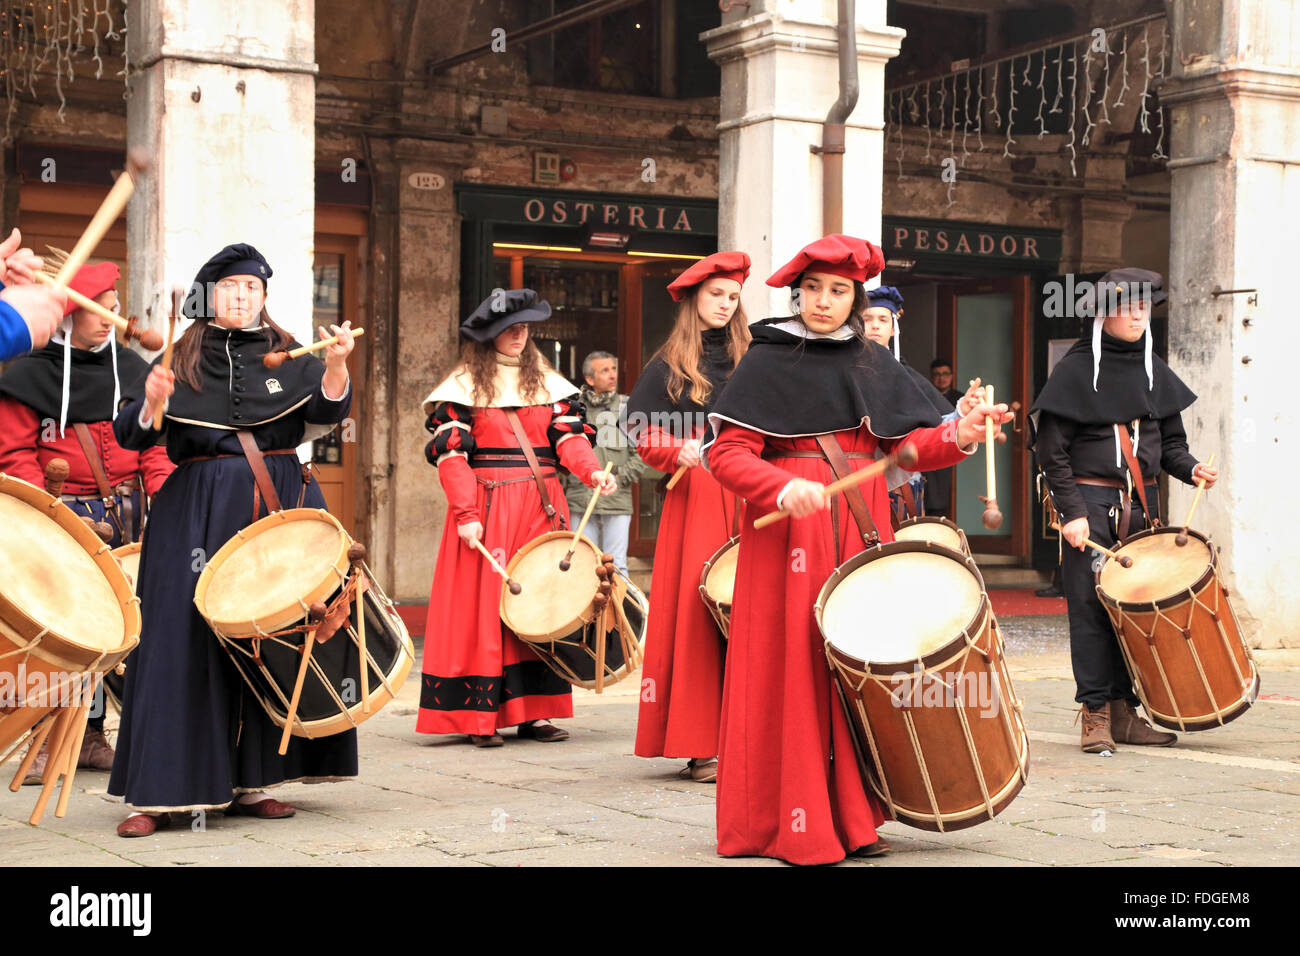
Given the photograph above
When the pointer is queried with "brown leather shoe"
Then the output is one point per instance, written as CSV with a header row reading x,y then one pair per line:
x,y
879,848
486,740
1096,735
143,824
1129,727
701,771
544,731
268,809
95,754
37,770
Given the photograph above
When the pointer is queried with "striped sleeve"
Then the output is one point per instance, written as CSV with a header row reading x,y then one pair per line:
x,y
450,425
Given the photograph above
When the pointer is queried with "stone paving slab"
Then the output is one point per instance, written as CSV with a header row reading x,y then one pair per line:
x,y
1227,797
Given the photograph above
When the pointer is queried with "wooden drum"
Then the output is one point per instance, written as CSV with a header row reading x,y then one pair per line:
x,y
718,584
590,635
935,529
66,607
1179,634
257,594
128,556
917,661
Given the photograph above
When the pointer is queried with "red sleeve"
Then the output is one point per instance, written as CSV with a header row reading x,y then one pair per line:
x,y
659,449
936,447
458,484
155,467
19,429
576,455
736,460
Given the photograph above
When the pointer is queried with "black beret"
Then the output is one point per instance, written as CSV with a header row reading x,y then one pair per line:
x,y
1131,285
238,259
502,309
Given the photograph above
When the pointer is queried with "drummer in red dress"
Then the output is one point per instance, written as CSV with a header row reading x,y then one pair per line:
x,y
1110,401
788,781
478,677
681,686
59,402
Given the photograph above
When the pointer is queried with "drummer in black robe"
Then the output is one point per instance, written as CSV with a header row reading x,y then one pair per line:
x,y
193,736
1109,410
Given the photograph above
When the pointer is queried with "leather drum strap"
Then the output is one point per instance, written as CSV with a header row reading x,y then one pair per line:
x,y
527,448
96,463
1126,446
857,501
261,477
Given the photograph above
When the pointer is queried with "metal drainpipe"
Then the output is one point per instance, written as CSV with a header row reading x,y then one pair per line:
x,y
832,147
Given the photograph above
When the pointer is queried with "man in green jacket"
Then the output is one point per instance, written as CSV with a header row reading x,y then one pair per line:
x,y
612,517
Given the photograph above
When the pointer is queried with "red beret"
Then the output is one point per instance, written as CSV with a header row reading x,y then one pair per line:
x,y
845,256
721,265
91,281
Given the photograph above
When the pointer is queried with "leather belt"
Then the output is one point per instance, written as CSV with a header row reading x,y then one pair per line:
x,y
1126,501
503,461
851,455
278,451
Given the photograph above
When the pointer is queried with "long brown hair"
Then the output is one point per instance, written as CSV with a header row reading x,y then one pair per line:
x,y
188,349
480,360
683,350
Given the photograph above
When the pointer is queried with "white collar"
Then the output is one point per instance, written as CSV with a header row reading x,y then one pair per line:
x,y
795,326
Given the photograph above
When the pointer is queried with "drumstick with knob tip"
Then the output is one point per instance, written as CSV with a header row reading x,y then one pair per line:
x,y
56,473
992,516
274,360
1181,539
1124,560
677,476
315,614
178,297
149,338
511,583
137,161
905,458
356,555
566,562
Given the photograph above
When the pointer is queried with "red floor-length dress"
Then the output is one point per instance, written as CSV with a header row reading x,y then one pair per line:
x,y
477,676
681,678
788,780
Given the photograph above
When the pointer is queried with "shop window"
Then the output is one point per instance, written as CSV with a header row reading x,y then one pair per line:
x,y
649,49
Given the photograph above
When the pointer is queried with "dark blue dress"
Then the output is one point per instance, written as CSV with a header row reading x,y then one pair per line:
x,y
192,735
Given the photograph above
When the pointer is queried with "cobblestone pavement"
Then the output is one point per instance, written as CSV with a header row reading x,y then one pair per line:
x,y
1227,797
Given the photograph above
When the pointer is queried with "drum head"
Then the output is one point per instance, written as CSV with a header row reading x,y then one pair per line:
x,y
936,531
901,607
267,569
128,556
49,575
720,582
1160,568
550,598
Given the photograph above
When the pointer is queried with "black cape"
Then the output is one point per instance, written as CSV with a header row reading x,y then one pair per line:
x,y
1122,392
36,380
237,390
790,386
649,403
936,397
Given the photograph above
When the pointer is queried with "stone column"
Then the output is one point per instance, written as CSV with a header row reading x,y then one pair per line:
x,y
1234,102
780,76
224,101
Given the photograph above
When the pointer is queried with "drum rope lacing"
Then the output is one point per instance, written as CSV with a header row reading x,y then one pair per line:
x,y
1120,617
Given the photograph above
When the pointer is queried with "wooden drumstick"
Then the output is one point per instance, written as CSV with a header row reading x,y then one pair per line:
x,y
511,583
276,359
137,161
177,298
74,752
677,476
356,555
149,338
1124,560
1180,539
315,615
905,458
992,516
566,562
38,739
